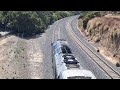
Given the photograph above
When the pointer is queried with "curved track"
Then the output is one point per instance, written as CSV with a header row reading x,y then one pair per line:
x,y
111,72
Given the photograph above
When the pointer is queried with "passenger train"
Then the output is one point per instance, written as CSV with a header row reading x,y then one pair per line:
x,y
65,65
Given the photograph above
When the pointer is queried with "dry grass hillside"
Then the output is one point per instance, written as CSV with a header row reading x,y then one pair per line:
x,y
105,31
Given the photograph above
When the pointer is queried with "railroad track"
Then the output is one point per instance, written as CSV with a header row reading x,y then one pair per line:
x,y
110,72
56,31
56,35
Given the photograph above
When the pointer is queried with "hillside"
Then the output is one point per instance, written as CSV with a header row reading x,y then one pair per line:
x,y
104,30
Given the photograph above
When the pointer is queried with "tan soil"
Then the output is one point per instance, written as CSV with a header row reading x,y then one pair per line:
x,y
108,55
101,29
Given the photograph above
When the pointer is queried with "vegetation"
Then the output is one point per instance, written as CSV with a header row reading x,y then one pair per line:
x,y
29,22
87,15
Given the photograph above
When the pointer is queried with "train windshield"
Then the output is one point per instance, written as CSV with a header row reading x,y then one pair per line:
x,y
79,77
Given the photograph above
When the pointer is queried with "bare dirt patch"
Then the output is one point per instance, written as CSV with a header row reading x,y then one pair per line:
x,y
6,45
12,58
108,55
106,32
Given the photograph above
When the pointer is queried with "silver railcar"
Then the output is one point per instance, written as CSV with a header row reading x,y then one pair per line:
x,y
65,65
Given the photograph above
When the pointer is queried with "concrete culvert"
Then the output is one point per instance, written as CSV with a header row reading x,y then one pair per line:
x,y
117,64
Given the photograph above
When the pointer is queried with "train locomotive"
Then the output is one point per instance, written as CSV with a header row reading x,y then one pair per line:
x,y
65,64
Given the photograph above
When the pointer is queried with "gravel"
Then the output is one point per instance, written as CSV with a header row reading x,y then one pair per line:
x,y
75,29
84,60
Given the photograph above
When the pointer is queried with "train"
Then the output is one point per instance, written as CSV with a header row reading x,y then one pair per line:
x,y
65,64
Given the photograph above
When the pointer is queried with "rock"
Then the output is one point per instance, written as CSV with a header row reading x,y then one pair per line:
x,y
97,50
117,64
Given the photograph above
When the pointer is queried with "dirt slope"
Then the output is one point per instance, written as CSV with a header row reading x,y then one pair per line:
x,y
26,58
106,32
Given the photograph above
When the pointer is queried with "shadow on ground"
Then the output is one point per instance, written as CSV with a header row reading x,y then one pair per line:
x,y
20,35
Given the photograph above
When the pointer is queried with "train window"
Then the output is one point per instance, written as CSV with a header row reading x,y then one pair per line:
x,y
63,50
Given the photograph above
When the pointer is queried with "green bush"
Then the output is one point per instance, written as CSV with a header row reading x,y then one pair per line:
x,y
29,22
86,16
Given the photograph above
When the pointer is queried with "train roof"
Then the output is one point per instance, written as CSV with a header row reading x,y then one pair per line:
x,y
61,42
77,74
63,45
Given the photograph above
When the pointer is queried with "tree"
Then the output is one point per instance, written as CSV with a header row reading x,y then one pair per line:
x,y
29,22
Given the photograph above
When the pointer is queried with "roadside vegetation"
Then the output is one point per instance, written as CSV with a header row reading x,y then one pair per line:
x,y
85,16
29,22
88,15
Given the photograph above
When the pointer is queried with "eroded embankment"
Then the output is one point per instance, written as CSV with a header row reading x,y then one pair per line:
x,y
106,32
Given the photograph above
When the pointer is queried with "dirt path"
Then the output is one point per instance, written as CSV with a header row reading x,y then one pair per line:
x,y
108,55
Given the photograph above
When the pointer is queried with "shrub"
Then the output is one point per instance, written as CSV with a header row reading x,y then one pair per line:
x,y
29,22
118,64
88,16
